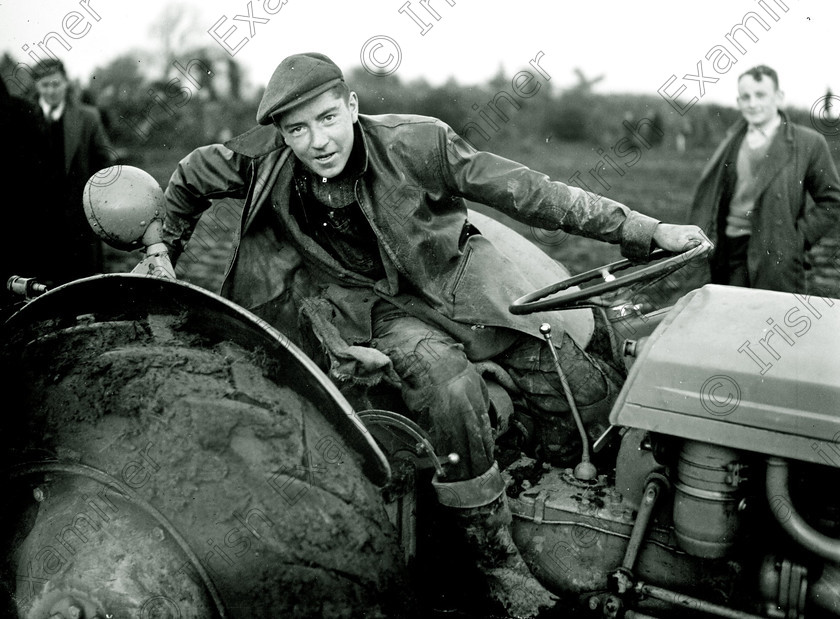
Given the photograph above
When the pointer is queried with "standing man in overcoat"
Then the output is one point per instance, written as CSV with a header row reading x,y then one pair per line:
x,y
74,147
752,199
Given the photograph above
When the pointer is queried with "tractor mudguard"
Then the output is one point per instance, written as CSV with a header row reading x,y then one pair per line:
x,y
205,314
165,452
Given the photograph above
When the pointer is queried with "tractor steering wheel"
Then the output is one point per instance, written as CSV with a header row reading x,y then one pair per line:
x,y
536,301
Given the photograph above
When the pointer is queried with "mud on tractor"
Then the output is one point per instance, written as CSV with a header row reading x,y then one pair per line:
x,y
167,453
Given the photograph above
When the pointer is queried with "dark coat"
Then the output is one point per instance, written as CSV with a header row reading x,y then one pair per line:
x,y
73,250
798,164
86,147
418,174
19,124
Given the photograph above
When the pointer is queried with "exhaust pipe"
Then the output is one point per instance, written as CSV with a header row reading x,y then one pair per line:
x,y
778,495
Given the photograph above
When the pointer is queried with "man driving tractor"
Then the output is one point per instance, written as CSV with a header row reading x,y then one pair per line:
x,y
355,229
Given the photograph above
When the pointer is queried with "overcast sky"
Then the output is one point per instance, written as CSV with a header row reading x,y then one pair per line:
x,y
637,46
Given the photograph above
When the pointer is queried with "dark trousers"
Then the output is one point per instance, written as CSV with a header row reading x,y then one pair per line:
x,y
447,396
734,258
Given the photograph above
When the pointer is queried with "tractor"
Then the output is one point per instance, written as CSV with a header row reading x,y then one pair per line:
x,y
168,453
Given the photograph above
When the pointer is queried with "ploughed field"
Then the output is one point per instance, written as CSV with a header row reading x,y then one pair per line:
x,y
660,183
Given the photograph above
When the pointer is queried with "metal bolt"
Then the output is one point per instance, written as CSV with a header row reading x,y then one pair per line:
x,y
157,534
38,493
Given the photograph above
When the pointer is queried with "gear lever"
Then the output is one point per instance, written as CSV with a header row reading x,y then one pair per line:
x,y
585,470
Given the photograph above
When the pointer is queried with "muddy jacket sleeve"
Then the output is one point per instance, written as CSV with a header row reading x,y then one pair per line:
x,y
207,173
531,197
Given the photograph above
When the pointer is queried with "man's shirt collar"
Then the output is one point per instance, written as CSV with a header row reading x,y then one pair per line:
x,y
52,113
758,136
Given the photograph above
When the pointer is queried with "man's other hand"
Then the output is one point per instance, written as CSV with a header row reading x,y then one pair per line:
x,y
681,238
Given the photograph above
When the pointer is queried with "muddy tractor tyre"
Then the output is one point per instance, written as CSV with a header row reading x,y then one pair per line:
x,y
165,458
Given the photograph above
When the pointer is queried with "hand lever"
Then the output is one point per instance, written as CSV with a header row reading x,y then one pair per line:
x,y
585,470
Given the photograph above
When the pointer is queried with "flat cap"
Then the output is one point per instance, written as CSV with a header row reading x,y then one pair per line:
x,y
297,79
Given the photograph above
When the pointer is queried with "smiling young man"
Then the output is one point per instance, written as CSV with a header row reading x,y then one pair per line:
x,y
752,196
358,225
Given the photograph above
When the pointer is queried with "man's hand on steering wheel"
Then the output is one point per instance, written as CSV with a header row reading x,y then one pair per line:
x,y
681,238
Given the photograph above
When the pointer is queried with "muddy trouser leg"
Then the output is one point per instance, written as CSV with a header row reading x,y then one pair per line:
x,y
449,399
594,384
441,388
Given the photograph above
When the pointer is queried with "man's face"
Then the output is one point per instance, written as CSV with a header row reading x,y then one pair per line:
x,y
320,132
52,88
758,101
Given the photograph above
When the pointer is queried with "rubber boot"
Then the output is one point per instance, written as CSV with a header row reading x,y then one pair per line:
x,y
482,513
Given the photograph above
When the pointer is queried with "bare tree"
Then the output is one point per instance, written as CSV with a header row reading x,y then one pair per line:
x,y
176,29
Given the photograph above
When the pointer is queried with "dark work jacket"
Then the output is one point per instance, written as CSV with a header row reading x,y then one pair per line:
x,y
797,164
418,174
